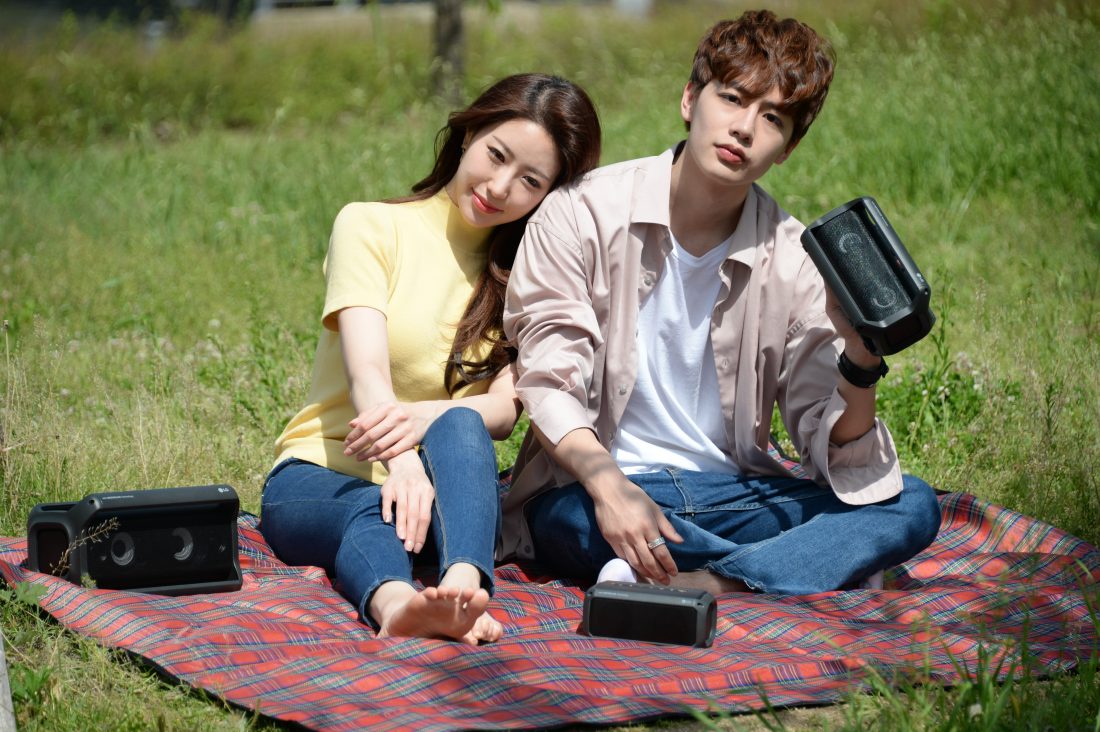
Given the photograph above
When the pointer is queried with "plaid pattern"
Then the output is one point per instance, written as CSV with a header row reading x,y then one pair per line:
x,y
288,646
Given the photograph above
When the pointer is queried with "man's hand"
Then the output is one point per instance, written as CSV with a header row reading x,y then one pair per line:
x,y
853,342
630,521
408,490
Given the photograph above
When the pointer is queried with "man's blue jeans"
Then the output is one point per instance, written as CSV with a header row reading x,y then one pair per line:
x,y
782,535
315,516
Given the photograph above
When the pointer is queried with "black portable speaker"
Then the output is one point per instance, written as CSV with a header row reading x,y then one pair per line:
x,y
872,275
651,613
169,541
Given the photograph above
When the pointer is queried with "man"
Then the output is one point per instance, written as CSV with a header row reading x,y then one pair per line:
x,y
661,307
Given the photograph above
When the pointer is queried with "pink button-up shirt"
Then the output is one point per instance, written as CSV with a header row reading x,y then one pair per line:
x,y
592,252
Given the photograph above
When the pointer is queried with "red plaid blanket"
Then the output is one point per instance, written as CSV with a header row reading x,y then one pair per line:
x,y
288,646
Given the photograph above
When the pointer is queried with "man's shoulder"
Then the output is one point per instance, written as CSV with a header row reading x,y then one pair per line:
x,y
615,181
617,171
774,221
604,200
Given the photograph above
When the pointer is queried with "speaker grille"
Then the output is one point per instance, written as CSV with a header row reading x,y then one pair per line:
x,y
152,546
651,622
860,263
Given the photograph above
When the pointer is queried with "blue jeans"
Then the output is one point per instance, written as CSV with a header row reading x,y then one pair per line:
x,y
315,516
781,535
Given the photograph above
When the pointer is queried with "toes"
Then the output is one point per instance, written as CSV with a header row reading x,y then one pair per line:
x,y
487,629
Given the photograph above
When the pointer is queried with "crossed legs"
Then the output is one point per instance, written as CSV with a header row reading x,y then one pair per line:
x,y
781,535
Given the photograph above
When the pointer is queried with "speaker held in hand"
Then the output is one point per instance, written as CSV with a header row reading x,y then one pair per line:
x,y
169,541
864,263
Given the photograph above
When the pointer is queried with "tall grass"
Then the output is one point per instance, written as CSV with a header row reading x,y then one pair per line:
x,y
165,211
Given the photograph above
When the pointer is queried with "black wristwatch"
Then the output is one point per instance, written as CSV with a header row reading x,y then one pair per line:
x,y
856,376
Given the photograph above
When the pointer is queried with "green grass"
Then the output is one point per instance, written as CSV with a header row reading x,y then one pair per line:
x,y
165,214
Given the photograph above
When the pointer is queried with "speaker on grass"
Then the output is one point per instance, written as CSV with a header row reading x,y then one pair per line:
x,y
878,285
169,541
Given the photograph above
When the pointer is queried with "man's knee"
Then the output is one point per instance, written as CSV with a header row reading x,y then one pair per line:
x,y
564,511
566,534
922,511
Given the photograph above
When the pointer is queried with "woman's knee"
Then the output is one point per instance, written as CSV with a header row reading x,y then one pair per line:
x,y
458,426
459,430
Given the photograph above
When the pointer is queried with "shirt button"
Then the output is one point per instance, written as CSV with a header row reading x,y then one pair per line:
x,y
725,363
622,389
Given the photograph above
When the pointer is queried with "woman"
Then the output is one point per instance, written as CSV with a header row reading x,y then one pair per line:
x,y
413,378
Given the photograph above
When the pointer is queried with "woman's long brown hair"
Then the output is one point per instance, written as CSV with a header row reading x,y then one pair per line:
x,y
564,110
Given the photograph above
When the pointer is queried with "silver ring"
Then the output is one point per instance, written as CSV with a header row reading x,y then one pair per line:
x,y
659,541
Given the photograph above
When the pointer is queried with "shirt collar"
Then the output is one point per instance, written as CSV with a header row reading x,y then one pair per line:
x,y
651,205
743,247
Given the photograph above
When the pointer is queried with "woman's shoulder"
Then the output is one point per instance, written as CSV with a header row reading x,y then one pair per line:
x,y
384,214
365,211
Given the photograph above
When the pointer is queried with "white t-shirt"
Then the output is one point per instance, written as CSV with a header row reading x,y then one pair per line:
x,y
674,417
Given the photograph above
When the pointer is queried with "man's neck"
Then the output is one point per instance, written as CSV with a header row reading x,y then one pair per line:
x,y
702,215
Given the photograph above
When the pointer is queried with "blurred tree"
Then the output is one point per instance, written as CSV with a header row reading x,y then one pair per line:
x,y
449,48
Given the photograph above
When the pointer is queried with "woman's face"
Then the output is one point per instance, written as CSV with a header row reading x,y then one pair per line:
x,y
506,171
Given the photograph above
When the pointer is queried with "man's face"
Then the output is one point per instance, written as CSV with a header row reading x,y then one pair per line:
x,y
735,138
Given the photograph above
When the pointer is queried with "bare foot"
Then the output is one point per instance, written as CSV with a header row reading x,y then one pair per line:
x,y
438,612
486,629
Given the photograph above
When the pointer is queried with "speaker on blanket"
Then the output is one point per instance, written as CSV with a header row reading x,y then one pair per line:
x,y
651,613
169,541
869,270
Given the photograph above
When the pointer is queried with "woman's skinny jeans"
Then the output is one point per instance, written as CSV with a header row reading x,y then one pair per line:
x,y
315,516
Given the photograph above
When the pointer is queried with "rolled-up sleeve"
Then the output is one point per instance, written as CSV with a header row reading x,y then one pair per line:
x,y
549,316
865,470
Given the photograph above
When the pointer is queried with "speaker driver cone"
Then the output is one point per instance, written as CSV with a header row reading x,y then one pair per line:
x,y
122,549
187,544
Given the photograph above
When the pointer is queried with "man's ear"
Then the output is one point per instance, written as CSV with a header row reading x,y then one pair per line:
x,y
787,153
687,102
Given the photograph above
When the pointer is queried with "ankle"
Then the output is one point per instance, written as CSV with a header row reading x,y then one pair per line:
x,y
461,574
387,599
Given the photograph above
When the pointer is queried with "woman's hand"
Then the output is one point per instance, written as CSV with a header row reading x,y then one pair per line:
x,y
387,430
407,497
